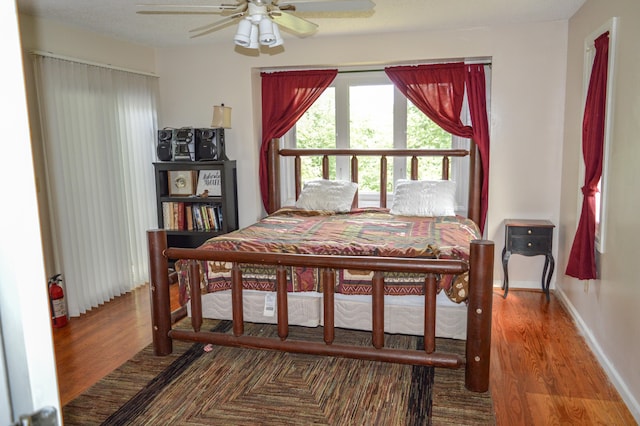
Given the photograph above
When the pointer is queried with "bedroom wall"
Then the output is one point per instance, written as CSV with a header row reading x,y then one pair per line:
x,y
47,36
607,309
527,101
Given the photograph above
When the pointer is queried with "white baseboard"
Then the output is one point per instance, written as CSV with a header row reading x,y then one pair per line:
x,y
609,368
529,285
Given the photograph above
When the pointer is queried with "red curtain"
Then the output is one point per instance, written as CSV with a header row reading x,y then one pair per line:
x,y
582,263
477,98
286,96
438,91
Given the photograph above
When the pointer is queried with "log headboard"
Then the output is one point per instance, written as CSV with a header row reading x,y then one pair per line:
x,y
275,153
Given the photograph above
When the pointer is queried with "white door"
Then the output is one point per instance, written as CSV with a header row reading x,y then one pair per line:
x,y
28,379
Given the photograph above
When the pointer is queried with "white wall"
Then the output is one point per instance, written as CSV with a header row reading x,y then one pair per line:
x,y
607,309
526,109
50,36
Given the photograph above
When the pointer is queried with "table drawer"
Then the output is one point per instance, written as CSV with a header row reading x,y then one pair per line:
x,y
530,231
530,244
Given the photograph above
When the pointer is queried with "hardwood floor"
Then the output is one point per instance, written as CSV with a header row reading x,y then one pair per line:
x,y
94,344
542,371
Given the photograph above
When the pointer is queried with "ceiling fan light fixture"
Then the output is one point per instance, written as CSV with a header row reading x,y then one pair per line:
x,y
243,34
267,36
276,31
254,43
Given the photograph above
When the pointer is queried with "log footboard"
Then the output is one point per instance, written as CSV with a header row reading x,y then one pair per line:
x,y
478,342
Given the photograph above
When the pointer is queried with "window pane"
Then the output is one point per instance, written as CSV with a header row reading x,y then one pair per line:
x,y
371,126
422,132
317,129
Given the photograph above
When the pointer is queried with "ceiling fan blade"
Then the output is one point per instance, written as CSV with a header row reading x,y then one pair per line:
x,y
294,23
182,9
215,26
327,5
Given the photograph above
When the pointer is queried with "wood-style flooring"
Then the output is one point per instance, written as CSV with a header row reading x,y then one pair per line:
x,y
542,371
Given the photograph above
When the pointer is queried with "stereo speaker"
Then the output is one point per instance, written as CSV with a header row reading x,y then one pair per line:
x,y
207,144
165,148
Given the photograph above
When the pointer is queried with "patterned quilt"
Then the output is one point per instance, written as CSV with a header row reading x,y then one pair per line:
x,y
362,232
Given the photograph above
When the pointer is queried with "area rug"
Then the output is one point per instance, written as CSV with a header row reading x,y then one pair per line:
x,y
199,385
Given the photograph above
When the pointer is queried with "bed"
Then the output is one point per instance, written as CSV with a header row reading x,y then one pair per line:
x,y
375,269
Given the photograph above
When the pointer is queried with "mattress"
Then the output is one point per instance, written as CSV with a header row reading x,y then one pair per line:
x,y
403,314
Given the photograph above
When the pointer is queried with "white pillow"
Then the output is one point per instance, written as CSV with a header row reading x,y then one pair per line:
x,y
424,198
333,195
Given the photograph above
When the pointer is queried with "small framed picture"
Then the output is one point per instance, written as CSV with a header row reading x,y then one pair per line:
x,y
182,182
210,181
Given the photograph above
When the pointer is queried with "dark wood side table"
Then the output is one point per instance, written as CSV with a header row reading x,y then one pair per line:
x,y
528,237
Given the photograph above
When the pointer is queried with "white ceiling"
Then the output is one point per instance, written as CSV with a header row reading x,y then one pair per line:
x,y
118,18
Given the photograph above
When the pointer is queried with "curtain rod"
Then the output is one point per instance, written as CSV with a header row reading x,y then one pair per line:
x,y
85,62
468,62
376,68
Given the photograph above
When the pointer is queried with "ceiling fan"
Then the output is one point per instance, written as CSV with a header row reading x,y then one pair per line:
x,y
259,20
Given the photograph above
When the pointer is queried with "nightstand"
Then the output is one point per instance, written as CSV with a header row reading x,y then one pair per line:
x,y
528,237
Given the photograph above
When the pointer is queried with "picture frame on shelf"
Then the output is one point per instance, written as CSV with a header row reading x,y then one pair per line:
x,y
181,182
210,181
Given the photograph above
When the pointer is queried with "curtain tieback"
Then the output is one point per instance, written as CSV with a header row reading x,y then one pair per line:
x,y
589,191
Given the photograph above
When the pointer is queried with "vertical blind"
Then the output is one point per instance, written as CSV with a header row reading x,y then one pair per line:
x,y
98,130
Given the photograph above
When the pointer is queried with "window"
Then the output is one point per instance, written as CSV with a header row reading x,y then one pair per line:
x,y
363,109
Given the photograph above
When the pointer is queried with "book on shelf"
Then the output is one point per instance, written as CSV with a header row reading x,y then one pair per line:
x,y
185,216
197,218
205,217
188,212
181,219
217,215
220,223
167,215
212,217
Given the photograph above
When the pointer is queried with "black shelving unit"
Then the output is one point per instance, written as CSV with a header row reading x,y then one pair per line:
x,y
180,203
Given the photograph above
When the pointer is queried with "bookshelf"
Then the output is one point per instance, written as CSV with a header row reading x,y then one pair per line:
x,y
191,219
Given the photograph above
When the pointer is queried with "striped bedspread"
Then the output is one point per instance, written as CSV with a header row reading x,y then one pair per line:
x,y
362,232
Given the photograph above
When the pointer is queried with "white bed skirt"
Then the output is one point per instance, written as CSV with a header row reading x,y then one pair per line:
x,y
402,314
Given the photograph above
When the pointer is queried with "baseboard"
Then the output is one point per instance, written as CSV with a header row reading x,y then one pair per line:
x,y
529,285
632,403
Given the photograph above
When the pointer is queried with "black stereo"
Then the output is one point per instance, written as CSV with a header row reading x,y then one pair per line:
x,y
189,144
210,144
164,149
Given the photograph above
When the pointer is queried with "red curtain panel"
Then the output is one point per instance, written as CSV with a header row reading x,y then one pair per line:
x,y
582,262
438,91
286,96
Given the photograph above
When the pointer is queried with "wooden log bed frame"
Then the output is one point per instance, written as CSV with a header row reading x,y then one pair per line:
x,y
479,303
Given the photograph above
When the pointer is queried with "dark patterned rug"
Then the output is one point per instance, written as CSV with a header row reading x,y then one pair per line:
x,y
231,386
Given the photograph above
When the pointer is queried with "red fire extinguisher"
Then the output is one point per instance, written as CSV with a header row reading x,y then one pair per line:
x,y
56,302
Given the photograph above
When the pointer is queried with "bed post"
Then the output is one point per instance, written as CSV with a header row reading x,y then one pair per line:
x,y
273,175
478,346
159,289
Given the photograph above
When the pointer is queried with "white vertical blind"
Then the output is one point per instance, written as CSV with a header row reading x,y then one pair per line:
x,y
98,130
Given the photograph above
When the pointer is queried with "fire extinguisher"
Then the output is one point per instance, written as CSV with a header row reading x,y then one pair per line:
x,y
56,302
